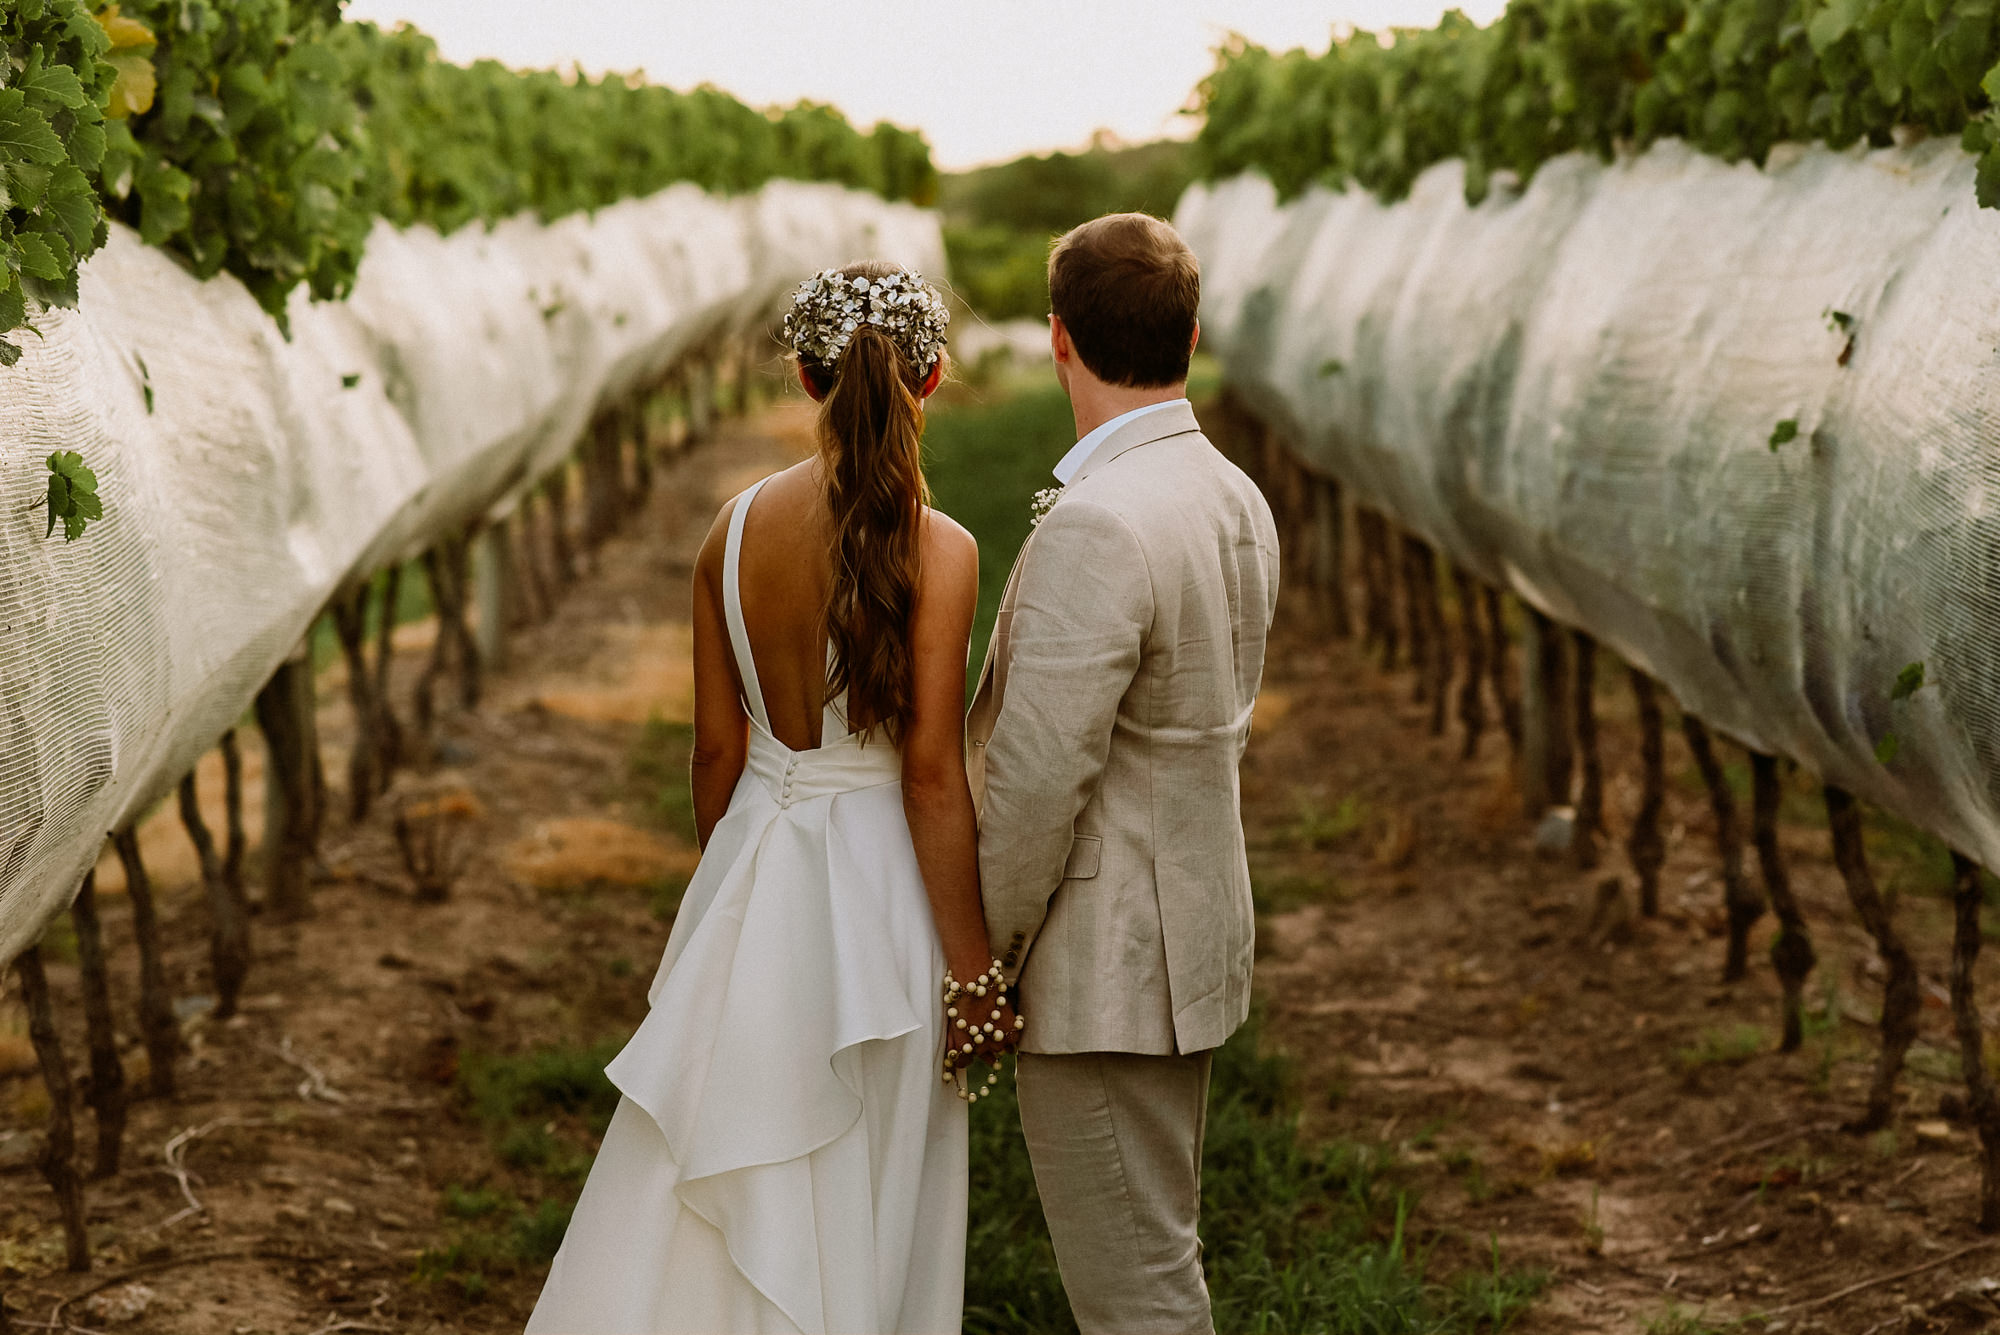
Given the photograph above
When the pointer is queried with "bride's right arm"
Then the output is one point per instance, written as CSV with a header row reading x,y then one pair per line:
x,y
721,728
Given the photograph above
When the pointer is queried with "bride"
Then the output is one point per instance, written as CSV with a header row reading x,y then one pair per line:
x,y
789,1152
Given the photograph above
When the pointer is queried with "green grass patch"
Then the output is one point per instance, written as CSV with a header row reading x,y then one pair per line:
x,y
541,1112
1723,1047
658,767
1297,1238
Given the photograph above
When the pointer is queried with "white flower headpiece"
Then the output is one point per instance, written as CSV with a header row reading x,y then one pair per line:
x,y
829,307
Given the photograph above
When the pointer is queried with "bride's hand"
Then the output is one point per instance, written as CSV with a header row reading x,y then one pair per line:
x,y
969,1025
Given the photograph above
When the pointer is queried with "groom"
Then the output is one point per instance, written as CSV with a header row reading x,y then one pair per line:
x,y
1110,718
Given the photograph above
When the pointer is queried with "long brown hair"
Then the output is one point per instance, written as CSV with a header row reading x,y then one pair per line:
x,y
870,433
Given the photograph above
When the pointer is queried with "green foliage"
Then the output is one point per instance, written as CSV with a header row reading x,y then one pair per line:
x,y
449,145
1723,1047
52,141
1732,77
72,494
1784,433
249,158
1908,682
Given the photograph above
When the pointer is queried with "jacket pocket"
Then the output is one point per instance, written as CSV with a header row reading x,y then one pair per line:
x,y
1083,855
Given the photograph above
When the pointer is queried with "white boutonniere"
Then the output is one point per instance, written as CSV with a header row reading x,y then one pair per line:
x,y
1045,500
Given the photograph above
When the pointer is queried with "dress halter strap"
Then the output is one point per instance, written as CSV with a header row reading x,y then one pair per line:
x,y
732,606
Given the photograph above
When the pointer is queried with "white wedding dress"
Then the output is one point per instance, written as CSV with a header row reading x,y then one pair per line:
x,y
785,1156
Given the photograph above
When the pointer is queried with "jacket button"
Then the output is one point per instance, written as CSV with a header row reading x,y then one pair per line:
x,y
1009,960
1019,937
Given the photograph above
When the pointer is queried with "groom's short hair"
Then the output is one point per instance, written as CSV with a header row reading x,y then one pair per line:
x,y
1127,288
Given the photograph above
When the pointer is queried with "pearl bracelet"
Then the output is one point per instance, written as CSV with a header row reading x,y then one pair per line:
x,y
961,1038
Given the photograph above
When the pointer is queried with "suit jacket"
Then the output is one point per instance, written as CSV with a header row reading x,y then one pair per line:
x,y
1104,741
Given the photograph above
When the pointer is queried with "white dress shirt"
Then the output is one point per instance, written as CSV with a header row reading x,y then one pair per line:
x,y
1066,467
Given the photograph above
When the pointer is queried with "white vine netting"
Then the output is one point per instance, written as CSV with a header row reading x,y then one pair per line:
x,y
1572,391
257,480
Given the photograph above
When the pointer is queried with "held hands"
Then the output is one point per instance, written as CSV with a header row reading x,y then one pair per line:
x,y
980,1025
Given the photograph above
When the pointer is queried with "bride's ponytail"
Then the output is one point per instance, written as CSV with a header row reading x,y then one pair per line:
x,y
870,440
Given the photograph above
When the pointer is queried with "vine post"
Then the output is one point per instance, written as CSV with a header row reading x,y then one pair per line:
x,y
1645,845
1740,899
59,1152
285,715
157,1025
1968,897
1901,998
105,1095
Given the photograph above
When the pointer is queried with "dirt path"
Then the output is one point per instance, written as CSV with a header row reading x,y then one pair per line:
x,y
1573,1083
1573,1080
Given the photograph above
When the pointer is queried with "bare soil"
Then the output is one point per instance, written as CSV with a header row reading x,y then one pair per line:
x,y
1559,1078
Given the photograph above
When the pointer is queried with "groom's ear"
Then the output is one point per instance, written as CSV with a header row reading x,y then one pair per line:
x,y
1059,343
1195,342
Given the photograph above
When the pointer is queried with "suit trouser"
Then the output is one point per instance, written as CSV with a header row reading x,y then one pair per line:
x,y
1115,1138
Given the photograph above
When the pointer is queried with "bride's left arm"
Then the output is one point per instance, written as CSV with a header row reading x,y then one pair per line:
x,y
936,796
721,728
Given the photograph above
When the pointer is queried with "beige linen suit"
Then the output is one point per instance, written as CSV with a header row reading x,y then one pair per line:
x,y
1105,737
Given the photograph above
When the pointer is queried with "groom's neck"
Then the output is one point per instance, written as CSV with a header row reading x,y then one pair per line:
x,y
1094,403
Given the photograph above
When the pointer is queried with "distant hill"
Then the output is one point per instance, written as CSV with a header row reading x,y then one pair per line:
x,y
999,220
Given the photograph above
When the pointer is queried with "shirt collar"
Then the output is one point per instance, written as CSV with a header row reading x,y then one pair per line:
x,y
1066,468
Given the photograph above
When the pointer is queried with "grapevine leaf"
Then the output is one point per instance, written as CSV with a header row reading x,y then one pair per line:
x,y
1839,321
57,83
35,257
87,144
1887,749
350,380
123,32
1784,432
59,502
24,132
75,208
9,352
13,305
133,91
1331,367
1908,682
27,184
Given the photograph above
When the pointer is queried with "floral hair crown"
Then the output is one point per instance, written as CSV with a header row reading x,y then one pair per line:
x,y
829,307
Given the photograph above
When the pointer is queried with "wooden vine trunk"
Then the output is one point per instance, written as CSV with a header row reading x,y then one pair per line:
x,y
536,583
1329,551
105,1096
1378,620
1589,827
1546,756
232,796
556,490
1740,900
59,1153
1437,635
1792,952
157,1027
639,424
1499,662
1968,896
388,728
228,914
1415,622
1471,692
350,627
1645,845
285,716
1900,996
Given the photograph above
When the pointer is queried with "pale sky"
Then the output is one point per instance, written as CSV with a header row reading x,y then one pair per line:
x,y
986,80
